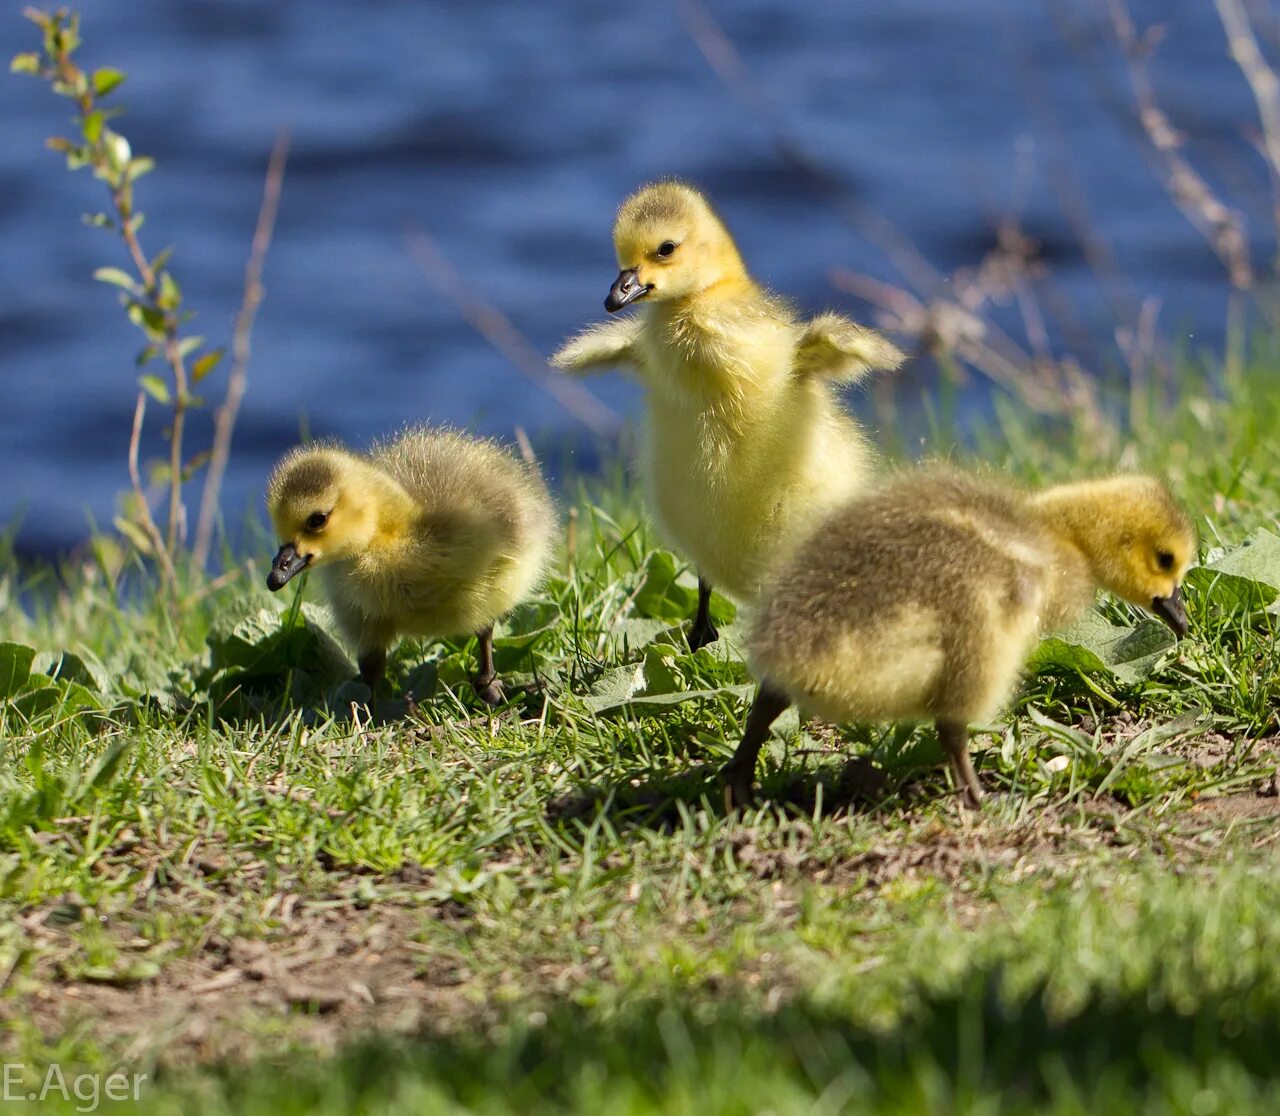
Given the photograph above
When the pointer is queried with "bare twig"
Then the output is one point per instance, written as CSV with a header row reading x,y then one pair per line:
x,y
723,58
1262,81
492,324
140,495
1221,226
944,313
526,447
225,421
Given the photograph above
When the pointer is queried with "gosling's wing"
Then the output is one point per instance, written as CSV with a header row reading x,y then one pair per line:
x,y
602,346
838,349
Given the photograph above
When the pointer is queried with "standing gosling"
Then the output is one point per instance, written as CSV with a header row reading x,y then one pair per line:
x,y
432,534
925,599
745,443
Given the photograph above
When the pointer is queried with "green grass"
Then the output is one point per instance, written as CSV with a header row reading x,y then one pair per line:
x,y
219,868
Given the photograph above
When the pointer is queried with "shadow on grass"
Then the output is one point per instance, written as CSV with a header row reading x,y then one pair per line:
x,y
1113,1053
661,802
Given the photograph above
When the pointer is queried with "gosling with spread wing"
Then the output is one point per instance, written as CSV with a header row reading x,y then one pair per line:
x,y
746,444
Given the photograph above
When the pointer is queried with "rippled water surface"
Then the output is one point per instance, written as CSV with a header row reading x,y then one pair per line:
x,y
510,130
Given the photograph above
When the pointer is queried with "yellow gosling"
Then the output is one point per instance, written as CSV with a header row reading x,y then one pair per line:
x,y
924,600
745,443
432,534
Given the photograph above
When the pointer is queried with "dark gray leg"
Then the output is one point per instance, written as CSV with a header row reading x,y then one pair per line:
x,y
703,631
954,736
487,686
738,774
373,665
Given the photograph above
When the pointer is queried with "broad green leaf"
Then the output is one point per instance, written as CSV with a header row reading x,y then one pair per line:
x,y
105,80
668,593
189,345
68,666
656,703
105,769
645,687
150,319
170,294
661,595
155,387
1094,646
117,278
117,148
38,696
1245,578
205,364
1077,742
91,128
26,63
15,667
616,687
262,642
659,674
629,636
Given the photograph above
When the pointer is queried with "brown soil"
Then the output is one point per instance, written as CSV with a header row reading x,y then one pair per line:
x,y
336,968
332,973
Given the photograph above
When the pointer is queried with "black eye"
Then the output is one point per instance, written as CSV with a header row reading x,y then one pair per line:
x,y
1164,559
316,520
666,248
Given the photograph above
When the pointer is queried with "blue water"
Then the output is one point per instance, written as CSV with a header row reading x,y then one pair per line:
x,y
510,130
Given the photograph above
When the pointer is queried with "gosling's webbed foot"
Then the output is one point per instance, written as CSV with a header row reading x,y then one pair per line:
x,y
490,690
373,667
702,633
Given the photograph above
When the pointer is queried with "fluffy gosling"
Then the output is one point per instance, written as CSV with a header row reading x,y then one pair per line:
x,y
925,599
745,443
432,534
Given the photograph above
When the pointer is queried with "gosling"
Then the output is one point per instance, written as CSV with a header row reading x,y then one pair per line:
x,y
432,534
745,443
924,600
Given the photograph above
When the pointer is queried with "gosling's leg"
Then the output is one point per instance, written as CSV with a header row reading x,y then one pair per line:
x,y
738,773
373,665
954,736
703,631
487,686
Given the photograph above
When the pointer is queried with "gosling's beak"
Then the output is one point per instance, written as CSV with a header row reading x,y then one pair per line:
x,y
626,289
1172,611
288,563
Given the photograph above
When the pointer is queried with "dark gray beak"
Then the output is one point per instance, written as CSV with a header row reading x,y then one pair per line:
x,y
1172,611
626,289
288,564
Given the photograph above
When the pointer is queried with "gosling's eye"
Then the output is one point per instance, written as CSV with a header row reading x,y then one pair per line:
x,y
316,521
666,248
1164,559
